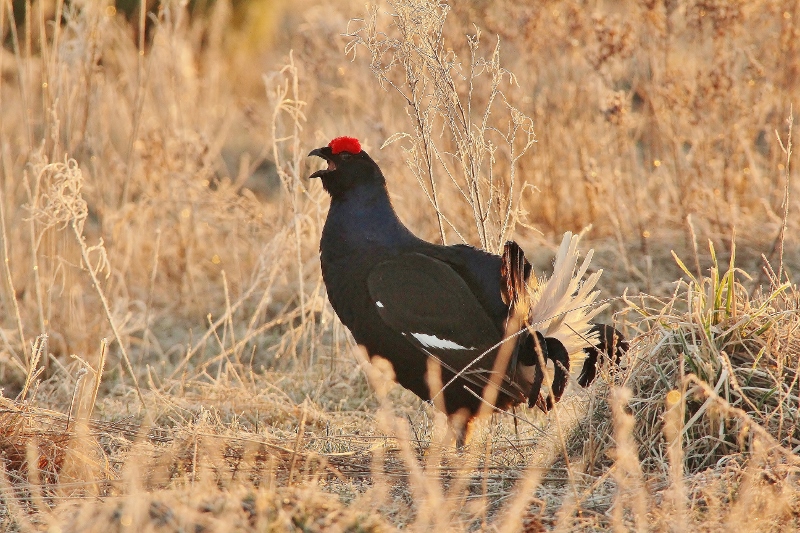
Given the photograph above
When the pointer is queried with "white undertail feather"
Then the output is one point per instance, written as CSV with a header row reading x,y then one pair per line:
x,y
563,306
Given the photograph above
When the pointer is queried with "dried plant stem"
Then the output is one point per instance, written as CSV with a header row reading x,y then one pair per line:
x,y
34,478
513,327
427,148
630,491
787,149
143,72
22,77
673,431
442,99
34,370
98,376
33,198
217,323
23,364
15,510
563,444
287,97
229,313
96,284
695,252
148,307
75,403
298,441
514,512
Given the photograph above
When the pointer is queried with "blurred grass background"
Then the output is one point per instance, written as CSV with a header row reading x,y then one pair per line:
x,y
153,194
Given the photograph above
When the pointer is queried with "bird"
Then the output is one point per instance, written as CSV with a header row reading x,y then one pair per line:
x,y
465,329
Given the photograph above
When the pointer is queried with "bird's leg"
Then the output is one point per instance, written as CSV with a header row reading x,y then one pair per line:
x,y
435,385
460,424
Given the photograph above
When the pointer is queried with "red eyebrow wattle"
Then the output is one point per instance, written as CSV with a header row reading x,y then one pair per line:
x,y
345,144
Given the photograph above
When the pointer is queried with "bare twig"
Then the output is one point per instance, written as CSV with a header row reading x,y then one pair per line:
x,y
787,149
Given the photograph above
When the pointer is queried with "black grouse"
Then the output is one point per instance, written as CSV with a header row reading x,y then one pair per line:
x,y
461,327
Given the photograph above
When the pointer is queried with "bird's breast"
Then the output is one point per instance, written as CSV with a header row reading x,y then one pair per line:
x,y
346,283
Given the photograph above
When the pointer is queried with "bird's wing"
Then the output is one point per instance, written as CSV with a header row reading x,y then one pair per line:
x,y
482,273
426,301
431,305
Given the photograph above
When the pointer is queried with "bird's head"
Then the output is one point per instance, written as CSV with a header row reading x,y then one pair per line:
x,y
348,166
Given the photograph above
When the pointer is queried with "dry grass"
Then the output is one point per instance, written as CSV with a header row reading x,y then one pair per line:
x,y
167,354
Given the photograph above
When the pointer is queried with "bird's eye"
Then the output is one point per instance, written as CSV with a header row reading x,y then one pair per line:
x,y
346,156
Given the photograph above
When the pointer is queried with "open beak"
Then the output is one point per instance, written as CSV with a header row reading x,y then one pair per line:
x,y
319,173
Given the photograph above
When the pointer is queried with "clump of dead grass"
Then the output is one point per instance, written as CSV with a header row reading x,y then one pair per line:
x,y
47,456
708,413
725,353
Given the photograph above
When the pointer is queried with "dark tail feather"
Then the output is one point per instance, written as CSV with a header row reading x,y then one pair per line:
x,y
533,351
589,370
560,357
536,350
514,271
609,342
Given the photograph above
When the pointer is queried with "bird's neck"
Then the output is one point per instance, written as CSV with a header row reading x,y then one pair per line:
x,y
363,219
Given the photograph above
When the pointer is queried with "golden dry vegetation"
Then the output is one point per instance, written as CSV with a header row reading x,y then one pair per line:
x,y
168,358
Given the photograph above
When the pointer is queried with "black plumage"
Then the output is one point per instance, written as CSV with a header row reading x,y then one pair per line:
x,y
611,343
411,301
